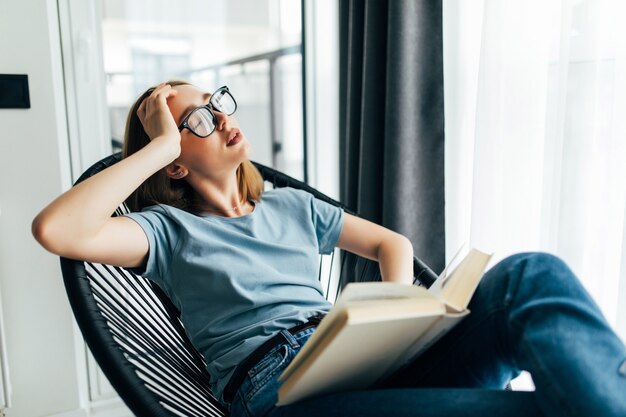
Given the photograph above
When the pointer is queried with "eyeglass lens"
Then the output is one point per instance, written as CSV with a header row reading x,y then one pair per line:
x,y
223,101
202,121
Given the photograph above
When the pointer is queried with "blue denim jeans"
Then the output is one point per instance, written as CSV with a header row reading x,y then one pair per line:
x,y
529,313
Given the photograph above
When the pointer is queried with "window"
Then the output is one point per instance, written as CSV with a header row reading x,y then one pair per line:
x,y
253,46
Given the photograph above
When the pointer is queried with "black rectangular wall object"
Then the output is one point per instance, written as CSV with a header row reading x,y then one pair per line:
x,y
14,91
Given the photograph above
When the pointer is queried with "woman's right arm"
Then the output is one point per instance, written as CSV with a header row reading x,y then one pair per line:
x,y
78,224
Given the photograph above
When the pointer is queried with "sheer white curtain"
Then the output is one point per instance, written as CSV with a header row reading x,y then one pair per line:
x,y
536,135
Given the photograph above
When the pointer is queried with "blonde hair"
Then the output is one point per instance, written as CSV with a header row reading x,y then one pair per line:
x,y
161,189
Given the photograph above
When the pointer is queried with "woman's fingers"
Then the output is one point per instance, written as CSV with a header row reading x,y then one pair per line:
x,y
141,110
155,115
158,99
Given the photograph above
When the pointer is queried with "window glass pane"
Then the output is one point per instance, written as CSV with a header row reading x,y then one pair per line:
x,y
253,46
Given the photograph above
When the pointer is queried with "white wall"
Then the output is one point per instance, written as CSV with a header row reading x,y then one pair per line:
x,y
34,161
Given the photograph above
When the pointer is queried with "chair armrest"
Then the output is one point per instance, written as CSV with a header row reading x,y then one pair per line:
x,y
422,274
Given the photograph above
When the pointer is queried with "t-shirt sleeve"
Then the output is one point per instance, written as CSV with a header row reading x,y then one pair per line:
x,y
328,222
162,236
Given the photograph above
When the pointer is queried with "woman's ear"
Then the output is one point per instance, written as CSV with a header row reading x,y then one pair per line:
x,y
175,171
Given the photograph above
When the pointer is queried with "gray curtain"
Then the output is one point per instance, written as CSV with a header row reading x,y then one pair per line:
x,y
392,120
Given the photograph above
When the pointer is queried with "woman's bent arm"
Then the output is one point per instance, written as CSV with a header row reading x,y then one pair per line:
x,y
393,251
79,225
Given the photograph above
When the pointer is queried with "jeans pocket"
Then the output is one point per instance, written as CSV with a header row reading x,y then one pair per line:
x,y
265,369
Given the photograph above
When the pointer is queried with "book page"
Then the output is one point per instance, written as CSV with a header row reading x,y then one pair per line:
x,y
458,289
363,291
436,286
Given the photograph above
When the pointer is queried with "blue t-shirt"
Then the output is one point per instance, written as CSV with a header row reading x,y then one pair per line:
x,y
238,281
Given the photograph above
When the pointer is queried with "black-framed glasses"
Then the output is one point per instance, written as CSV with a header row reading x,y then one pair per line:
x,y
202,121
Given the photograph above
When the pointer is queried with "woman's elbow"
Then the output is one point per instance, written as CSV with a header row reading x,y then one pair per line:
x,y
401,241
406,244
41,231
44,232
396,243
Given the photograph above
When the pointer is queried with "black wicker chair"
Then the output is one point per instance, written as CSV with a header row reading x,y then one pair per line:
x,y
135,333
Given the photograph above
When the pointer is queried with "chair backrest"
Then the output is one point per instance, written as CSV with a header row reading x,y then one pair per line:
x,y
135,334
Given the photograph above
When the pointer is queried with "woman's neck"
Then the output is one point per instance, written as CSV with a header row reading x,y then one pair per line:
x,y
219,198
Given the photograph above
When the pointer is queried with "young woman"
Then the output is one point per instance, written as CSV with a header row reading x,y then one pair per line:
x,y
241,265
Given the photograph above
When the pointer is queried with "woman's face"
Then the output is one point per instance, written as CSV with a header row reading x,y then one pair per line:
x,y
218,155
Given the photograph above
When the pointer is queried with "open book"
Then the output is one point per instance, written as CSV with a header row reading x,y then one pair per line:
x,y
375,328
